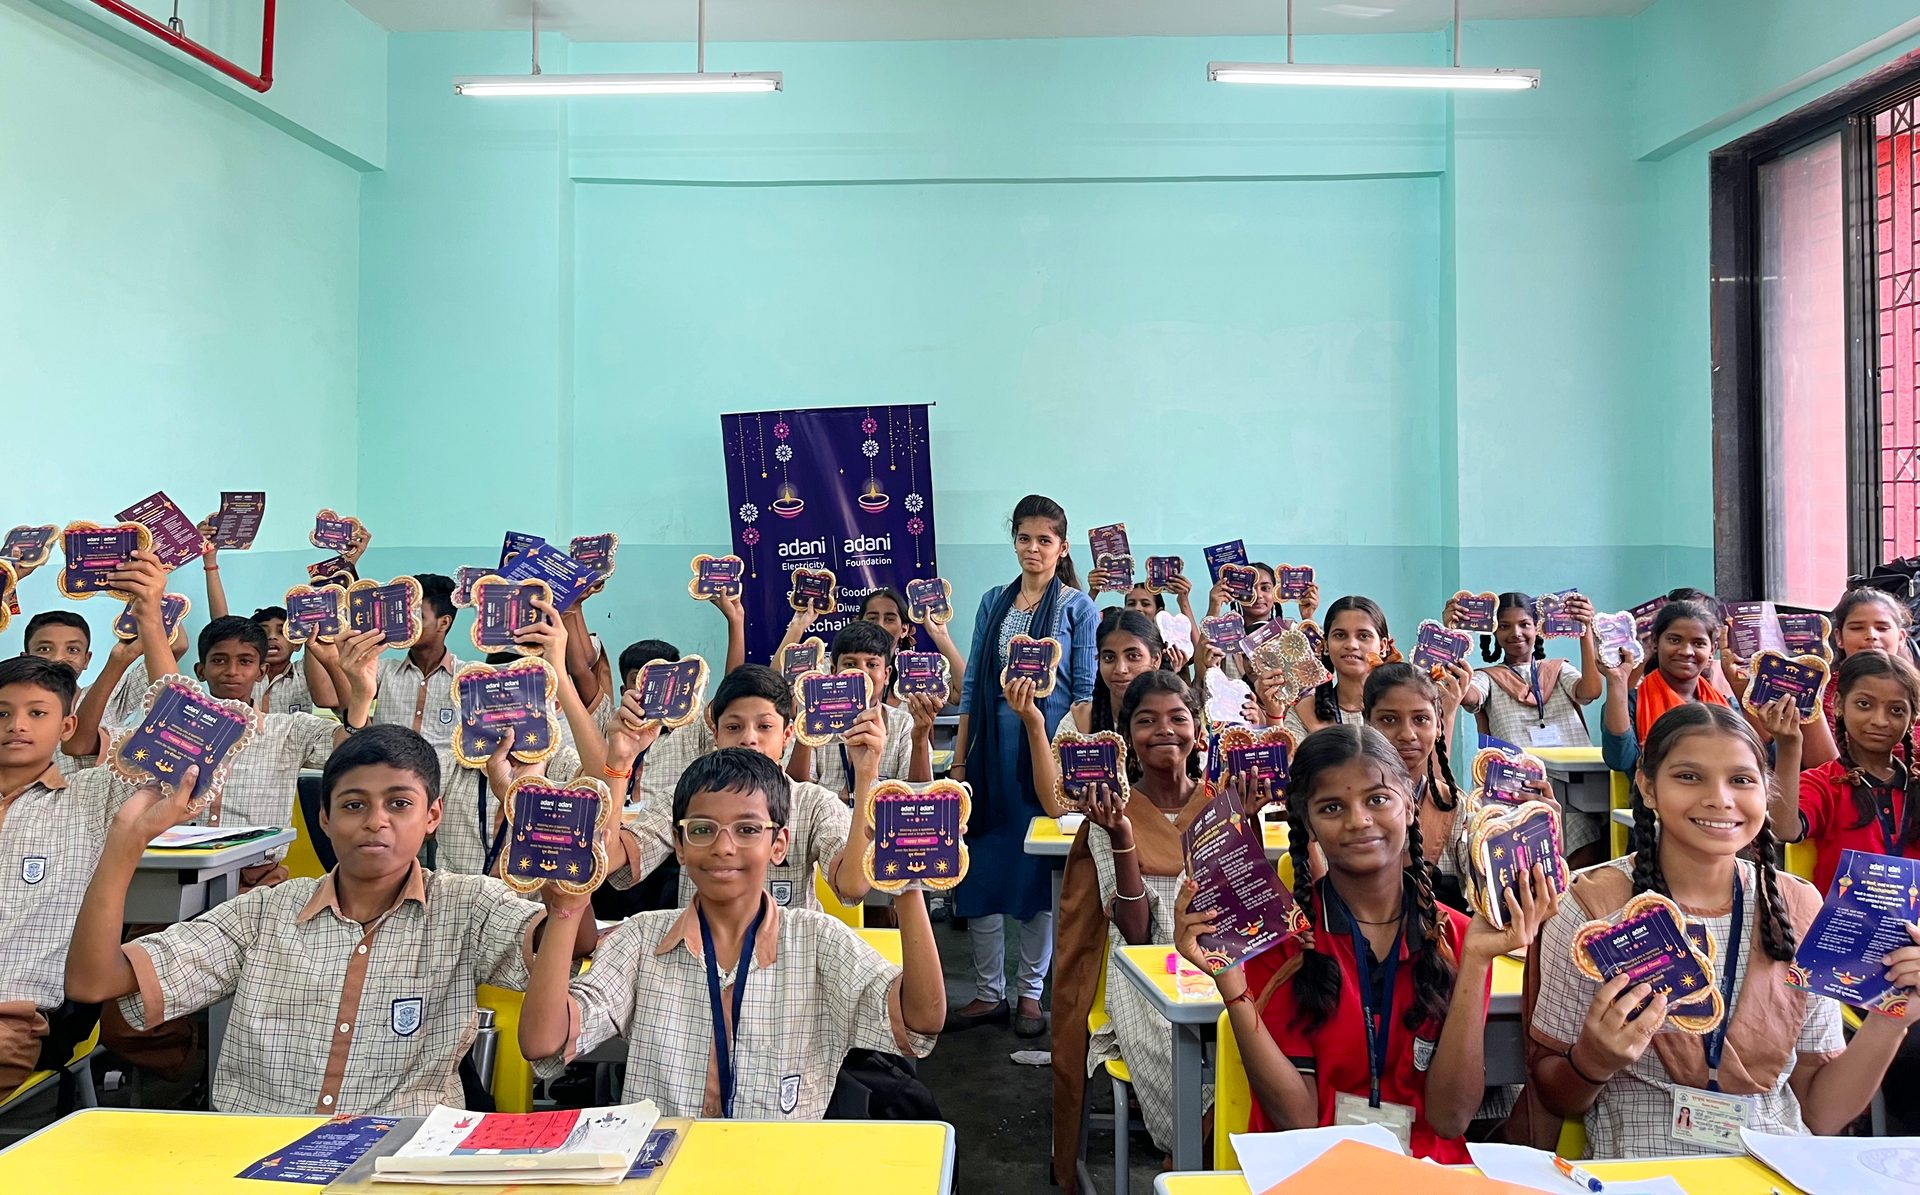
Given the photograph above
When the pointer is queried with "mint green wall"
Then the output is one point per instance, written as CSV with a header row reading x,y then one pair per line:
x,y
180,306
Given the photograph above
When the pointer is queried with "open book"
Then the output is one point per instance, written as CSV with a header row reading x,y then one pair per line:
x,y
588,1145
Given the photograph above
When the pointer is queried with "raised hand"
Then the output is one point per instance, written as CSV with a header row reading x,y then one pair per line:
x,y
865,740
151,812
630,734
1532,901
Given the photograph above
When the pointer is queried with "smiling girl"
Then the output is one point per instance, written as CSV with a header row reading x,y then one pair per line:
x,y
1866,620
1779,1063
1683,649
1357,640
1409,710
1525,698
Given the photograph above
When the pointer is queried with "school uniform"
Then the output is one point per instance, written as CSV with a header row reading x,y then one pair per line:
x,y
122,704
813,991
51,835
896,757
428,702
818,823
1827,817
284,694
330,1017
1335,1055
264,780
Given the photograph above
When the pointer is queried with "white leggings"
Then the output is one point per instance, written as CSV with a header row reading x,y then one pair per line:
x,y
988,935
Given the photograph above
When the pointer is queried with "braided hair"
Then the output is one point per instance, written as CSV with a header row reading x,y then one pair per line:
x,y
1863,665
1490,650
1326,699
1440,784
1144,686
1117,620
1776,929
1316,985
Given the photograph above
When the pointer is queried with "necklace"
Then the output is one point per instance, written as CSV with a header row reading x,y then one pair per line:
x,y
1394,920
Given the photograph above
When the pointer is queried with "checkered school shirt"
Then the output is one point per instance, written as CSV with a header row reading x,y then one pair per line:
x,y
830,772
814,991
818,821
51,834
1633,1117
284,694
426,702
330,1017
122,704
264,781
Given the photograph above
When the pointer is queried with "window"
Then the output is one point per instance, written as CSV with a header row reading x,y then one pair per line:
x,y
1816,308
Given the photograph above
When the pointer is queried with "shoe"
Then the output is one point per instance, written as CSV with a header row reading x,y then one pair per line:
x,y
958,1021
1030,1026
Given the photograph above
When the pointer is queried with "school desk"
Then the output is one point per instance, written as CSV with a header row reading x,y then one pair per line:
x,y
198,1153
179,885
1581,779
1045,839
1736,1174
1191,1019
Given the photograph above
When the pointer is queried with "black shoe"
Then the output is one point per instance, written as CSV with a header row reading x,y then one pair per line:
x,y
958,1021
959,924
1030,1026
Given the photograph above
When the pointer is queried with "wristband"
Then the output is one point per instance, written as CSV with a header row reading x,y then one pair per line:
x,y
610,774
1583,1076
1245,996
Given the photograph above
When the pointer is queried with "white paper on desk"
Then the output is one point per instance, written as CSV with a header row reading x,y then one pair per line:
x,y
1268,1158
1840,1165
1524,1166
191,836
1227,699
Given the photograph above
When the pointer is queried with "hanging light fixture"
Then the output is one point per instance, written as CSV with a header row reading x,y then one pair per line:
x,y
699,82
1456,77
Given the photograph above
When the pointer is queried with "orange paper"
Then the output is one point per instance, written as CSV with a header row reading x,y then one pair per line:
x,y
1353,1166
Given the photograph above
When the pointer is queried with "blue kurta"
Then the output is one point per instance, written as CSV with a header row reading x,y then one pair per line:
x,y
1001,876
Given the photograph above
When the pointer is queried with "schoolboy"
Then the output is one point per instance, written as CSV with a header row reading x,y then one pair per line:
x,y
817,991
352,993
285,688
668,758
52,827
753,708
636,656
416,689
867,647
64,637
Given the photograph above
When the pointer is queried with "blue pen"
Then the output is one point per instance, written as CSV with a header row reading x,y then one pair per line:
x,y
1577,1176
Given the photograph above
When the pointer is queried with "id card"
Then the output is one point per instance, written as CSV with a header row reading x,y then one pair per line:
x,y
1710,1118
1354,1109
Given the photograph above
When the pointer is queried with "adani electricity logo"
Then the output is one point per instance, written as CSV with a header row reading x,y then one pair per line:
x,y
841,556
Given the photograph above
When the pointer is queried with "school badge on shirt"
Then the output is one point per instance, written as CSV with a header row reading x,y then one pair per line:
x,y
789,1093
446,716
407,1014
782,892
33,868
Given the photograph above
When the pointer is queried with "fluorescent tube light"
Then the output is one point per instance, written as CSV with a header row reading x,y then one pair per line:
x,y
696,83
1291,74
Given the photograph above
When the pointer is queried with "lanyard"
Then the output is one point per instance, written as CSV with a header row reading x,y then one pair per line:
x,y
1533,686
495,838
1378,1021
633,774
1715,1043
722,1044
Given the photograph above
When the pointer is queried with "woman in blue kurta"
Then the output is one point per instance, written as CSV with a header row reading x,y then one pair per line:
x,y
1002,879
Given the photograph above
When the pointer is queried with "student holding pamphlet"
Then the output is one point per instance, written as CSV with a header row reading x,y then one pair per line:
x,y
1679,669
415,689
1119,889
1043,606
1373,1013
892,611
1675,1027
735,1006
866,647
1413,713
353,993
1866,620
1527,698
1356,642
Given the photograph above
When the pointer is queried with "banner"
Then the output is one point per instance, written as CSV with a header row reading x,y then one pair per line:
x,y
848,489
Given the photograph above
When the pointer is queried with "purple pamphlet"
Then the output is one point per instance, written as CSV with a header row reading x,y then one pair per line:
x,y
1110,540
175,539
829,702
500,609
236,524
1234,551
1865,915
1753,627
1294,581
1776,676
566,577
1225,631
510,697
94,554
1162,571
1235,884
920,672
323,1154
1085,763
1439,647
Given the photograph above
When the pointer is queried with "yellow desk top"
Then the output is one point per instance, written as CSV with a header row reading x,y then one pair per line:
x,y
886,941
1734,1175
1044,837
1584,754
1508,974
198,1153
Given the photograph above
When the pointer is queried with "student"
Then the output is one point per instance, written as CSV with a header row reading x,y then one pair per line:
x,y
1867,620
1003,880
753,708
1863,800
1526,698
415,690
64,637
285,688
353,993
1378,952
1685,636
734,1007
867,647
633,658
1410,711
1356,640
1782,1064
1119,889
669,757
1258,612
886,607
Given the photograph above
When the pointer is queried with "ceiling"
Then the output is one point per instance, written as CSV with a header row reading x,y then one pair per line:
x,y
918,20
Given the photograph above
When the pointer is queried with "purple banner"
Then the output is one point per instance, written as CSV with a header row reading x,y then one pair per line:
x,y
847,489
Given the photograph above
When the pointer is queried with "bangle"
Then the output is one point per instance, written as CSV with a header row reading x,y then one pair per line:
x,y
1141,895
1575,1068
209,568
610,774
1124,850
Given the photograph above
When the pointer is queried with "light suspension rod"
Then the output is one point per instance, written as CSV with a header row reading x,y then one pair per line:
x,y
1454,77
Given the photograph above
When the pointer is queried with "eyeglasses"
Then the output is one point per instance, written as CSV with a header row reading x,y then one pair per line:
x,y
704,831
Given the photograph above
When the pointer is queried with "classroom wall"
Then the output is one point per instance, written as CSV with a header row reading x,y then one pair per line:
x,y
181,300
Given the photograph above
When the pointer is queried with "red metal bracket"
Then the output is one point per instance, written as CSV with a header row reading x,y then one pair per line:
x,y
226,66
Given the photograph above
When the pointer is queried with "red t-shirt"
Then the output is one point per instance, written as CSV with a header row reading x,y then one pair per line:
x,y
1335,1055
1827,806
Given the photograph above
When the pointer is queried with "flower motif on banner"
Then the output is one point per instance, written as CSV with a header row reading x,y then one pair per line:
x,y
781,431
915,526
783,453
870,449
869,425
749,512
750,536
916,503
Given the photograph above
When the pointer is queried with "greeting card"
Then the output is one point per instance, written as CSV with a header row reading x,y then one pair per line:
x,y
671,691
556,834
1037,660
501,608
828,704
1086,761
929,599
919,835
316,613
175,538
181,725
173,607
94,553
496,698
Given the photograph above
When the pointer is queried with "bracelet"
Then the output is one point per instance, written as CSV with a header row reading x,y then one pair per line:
x,y
209,568
1124,850
1141,895
610,774
1583,1076
1246,995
